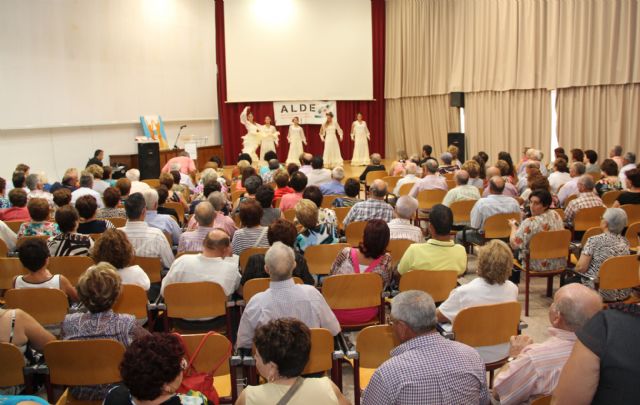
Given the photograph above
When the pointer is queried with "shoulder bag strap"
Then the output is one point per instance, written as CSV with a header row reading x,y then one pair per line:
x,y
291,391
264,232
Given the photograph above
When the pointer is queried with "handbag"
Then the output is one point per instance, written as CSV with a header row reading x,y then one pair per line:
x,y
198,380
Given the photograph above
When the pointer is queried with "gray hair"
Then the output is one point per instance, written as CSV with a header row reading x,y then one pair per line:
x,y
406,207
337,173
616,219
379,188
208,175
446,158
176,166
376,158
432,166
280,260
150,199
217,200
133,175
579,168
576,304
204,213
462,177
534,154
86,180
416,309
630,157
32,181
587,182
411,168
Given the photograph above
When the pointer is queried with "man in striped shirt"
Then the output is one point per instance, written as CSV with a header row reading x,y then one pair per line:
x,y
401,226
534,369
191,241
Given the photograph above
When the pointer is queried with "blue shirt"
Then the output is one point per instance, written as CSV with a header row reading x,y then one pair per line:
x,y
165,223
333,187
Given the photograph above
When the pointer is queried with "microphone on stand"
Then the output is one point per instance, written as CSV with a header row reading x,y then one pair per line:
x,y
175,144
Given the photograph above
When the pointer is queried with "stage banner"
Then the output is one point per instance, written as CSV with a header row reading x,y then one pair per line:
x,y
308,112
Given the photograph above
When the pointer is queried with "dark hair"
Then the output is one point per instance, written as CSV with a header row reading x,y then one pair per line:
x,y
538,182
303,159
269,155
281,178
86,206
150,362
561,165
292,168
106,172
163,194
250,212
543,195
33,253
124,186
634,176
314,194
38,209
245,156
287,343
427,149
246,173
283,231
609,167
97,152
352,187
317,162
18,197
3,184
506,156
559,151
484,156
62,197
252,183
264,195
592,155
209,187
21,167
18,178
577,155
166,179
114,248
216,159
111,197
376,239
441,218
176,176
482,171
298,181
134,205
66,218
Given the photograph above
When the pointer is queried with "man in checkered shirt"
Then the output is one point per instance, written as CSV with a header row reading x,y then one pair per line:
x,y
586,199
425,368
373,208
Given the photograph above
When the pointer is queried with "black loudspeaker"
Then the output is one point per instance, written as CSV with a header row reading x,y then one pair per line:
x,y
457,139
149,160
456,99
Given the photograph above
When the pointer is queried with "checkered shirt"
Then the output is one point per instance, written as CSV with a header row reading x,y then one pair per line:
x,y
369,209
584,200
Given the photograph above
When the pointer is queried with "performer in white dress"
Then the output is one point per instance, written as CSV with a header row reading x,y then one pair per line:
x,y
329,132
296,138
251,140
360,134
270,137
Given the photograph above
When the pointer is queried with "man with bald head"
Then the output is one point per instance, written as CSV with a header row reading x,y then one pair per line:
x,y
495,203
534,368
509,189
305,163
374,207
463,191
375,166
204,214
432,180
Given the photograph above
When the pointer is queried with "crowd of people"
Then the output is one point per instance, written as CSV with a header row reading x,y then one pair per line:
x,y
279,207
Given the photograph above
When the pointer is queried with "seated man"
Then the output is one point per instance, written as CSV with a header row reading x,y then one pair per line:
x,y
425,368
191,241
352,194
439,252
586,199
576,170
509,189
86,188
431,181
36,189
335,186
376,165
318,175
463,191
137,186
161,221
401,226
410,178
284,299
535,368
373,208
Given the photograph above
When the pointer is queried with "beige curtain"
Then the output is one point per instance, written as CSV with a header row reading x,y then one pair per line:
x,y
415,121
599,117
507,121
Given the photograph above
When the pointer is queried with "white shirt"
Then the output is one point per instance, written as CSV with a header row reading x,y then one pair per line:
x,y
41,194
557,179
136,276
138,187
148,242
53,283
623,176
403,229
82,191
461,193
569,188
8,236
318,176
492,205
195,268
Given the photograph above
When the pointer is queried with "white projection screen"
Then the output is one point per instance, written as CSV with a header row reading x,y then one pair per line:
x,y
278,50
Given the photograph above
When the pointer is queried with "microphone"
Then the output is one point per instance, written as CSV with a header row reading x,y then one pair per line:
x,y
175,144
183,126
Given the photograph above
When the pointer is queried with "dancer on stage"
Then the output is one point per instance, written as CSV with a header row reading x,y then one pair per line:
x,y
296,138
250,141
360,134
270,137
329,132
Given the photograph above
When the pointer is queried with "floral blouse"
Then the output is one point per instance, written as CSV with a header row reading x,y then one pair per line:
x,y
38,228
320,235
344,265
4,203
549,221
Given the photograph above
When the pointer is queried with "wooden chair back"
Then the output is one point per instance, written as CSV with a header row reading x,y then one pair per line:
x,y
351,291
12,364
633,234
633,212
132,300
321,355
355,232
428,198
560,212
72,267
595,175
153,183
48,306
610,197
462,210
588,218
22,239
545,400
589,233
487,325
569,199
405,189
277,202
437,283
151,265
373,176
4,249
214,349
374,344
320,258
178,207
497,226
10,267
451,184
449,175
327,200
195,300
619,272
341,214
14,225
258,285
391,181
396,249
247,253
117,222
235,195
84,362
290,214
550,245
236,220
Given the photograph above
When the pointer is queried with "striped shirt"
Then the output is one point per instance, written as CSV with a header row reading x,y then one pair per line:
x,y
536,370
148,242
403,229
70,244
192,241
246,238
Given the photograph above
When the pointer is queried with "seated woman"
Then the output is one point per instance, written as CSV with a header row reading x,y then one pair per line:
x,y
279,231
124,186
473,168
98,289
282,351
495,262
313,232
325,215
599,248
610,180
352,190
111,198
87,207
69,242
369,257
632,194
34,256
252,234
163,194
282,182
264,195
151,372
114,248
39,225
4,202
167,180
18,210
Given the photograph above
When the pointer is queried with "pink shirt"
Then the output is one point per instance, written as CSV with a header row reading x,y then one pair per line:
x,y
186,164
289,201
429,182
221,221
15,214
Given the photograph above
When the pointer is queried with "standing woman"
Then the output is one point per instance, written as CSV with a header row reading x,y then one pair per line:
x,y
329,132
270,137
360,134
251,140
296,138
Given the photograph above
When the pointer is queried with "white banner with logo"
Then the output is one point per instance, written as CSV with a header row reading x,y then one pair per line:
x,y
308,112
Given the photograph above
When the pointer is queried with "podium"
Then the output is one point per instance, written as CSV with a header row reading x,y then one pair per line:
x,y
204,154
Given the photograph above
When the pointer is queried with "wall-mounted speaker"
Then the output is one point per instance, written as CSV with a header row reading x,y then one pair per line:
x,y
456,99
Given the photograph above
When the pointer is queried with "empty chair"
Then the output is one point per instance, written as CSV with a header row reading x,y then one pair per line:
x,y
48,306
437,283
373,345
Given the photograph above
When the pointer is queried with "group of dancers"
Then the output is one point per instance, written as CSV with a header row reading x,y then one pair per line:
x,y
266,137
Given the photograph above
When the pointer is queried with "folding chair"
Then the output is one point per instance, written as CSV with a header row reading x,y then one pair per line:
x,y
82,362
497,226
133,300
355,232
354,291
610,197
178,207
587,218
320,258
117,222
324,357
151,265
633,212
290,214
396,249
437,283
391,181
341,214
14,225
633,235
373,347
428,198
462,211
10,268
405,189
327,200
72,267
4,249
48,306
617,273
11,372
247,253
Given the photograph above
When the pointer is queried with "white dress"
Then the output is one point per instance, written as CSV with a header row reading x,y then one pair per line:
x,y
329,133
251,140
296,139
360,134
269,140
